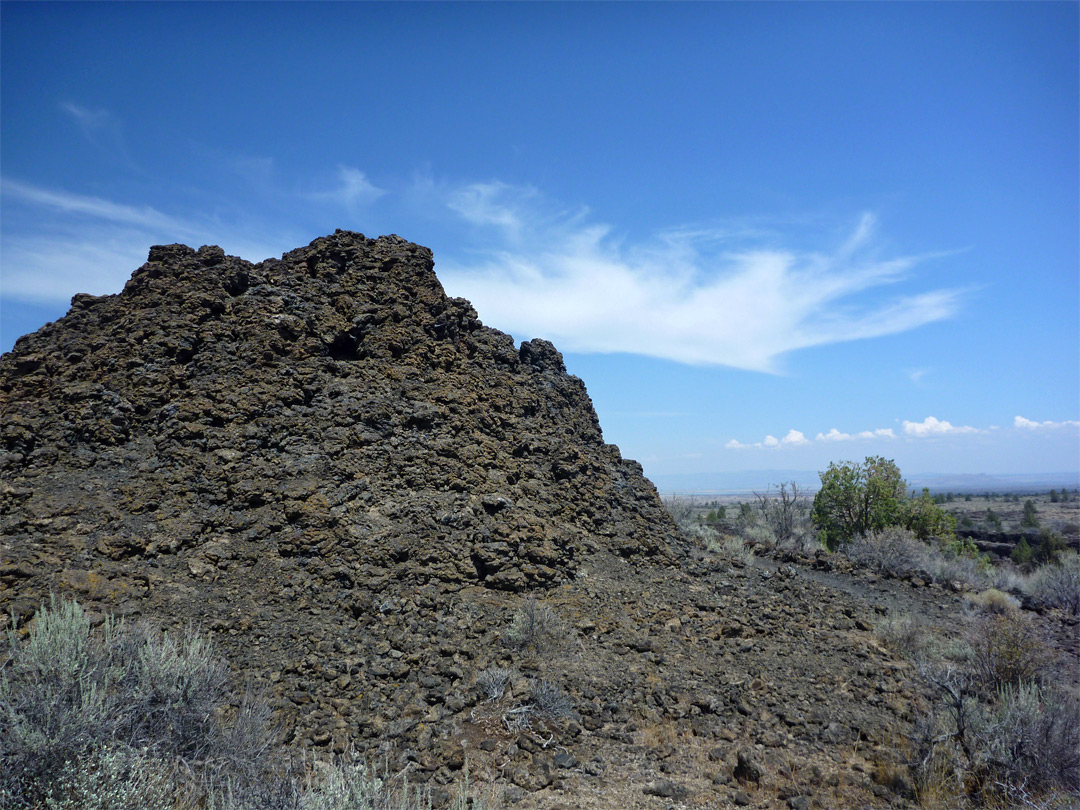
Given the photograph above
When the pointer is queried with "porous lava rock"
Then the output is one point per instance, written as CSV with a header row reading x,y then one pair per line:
x,y
332,411
270,450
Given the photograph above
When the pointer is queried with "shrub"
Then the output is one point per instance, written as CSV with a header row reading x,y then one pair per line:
x,y
1022,553
682,511
109,778
1008,651
74,703
786,517
1006,577
351,784
549,700
892,550
904,634
533,626
492,682
1023,743
127,718
703,535
1029,741
1059,585
734,549
994,601
926,519
757,534
55,700
1049,547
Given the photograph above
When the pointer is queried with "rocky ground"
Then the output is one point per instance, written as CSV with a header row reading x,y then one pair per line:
x,y
360,492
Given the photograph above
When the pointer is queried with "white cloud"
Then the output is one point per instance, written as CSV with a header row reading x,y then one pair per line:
x,y
1028,424
729,295
795,438
499,204
880,433
835,435
702,296
931,426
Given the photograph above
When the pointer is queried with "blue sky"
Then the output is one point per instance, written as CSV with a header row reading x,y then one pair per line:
x,y
766,235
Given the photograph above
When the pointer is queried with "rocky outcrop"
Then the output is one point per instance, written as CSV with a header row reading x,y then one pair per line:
x,y
268,449
332,410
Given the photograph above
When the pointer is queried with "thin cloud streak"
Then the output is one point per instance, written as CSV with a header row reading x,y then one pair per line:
x,y
695,296
97,244
1028,424
103,131
95,207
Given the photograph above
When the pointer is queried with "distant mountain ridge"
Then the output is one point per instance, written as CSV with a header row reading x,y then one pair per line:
x,y
750,481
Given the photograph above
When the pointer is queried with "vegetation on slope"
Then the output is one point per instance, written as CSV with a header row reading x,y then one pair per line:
x,y
124,717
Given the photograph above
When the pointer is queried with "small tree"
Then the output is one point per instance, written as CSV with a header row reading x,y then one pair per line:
x,y
1031,516
857,498
926,519
1022,553
1050,546
783,513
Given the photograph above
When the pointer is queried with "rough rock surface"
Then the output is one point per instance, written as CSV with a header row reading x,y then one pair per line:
x,y
332,412
354,487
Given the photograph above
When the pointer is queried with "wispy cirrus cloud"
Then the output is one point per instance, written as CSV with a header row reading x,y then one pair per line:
x,y
352,189
495,203
731,294
91,244
701,296
103,130
1028,424
94,207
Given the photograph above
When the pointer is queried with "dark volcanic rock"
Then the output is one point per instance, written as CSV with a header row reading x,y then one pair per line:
x,y
265,448
333,407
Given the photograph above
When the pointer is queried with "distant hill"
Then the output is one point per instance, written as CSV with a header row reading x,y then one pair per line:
x,y
750,481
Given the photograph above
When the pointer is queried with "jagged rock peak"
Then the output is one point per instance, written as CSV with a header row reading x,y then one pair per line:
x,y
332,406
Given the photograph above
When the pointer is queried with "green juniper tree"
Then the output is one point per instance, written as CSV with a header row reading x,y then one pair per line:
x,y
856,499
